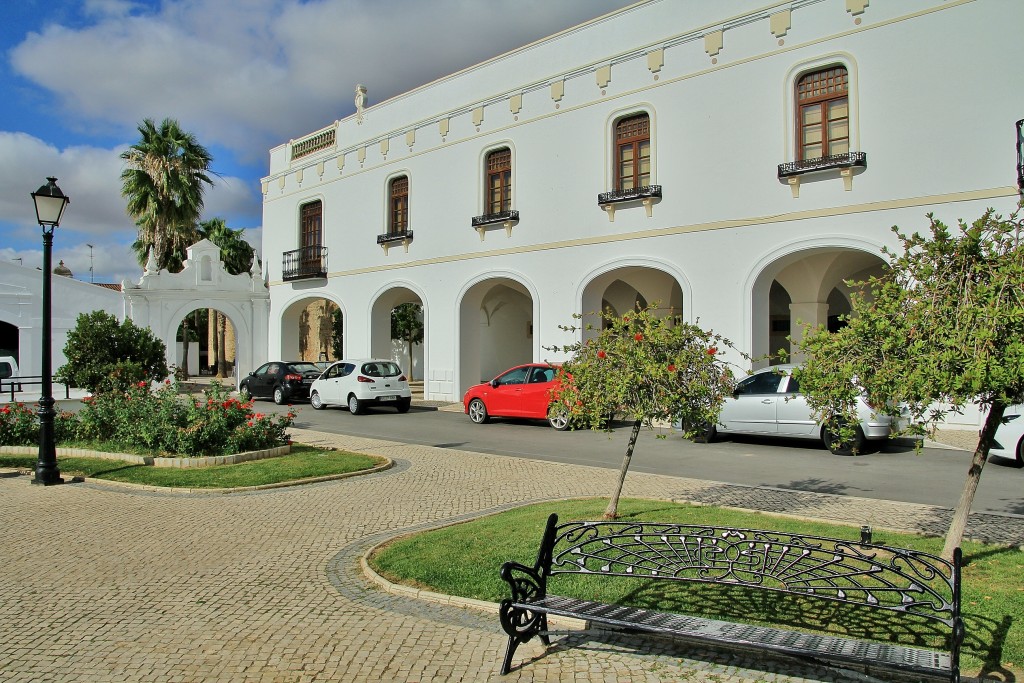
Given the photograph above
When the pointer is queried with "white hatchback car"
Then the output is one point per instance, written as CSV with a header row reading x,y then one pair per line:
x,y
1009,440
769,403
361,383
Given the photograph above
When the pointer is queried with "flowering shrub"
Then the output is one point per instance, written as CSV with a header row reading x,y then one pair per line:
x,y
19,425
160,420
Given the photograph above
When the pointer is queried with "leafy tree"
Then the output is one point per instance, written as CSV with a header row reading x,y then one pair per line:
x,y
645,368
338,334
944,326
407,326
104,355
163,181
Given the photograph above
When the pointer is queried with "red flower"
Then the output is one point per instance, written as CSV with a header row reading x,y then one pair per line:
x,y
671,367
601,354
167,381
142,384
250,423
713,350
625,319
638,337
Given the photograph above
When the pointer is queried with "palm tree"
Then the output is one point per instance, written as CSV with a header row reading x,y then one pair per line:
x,y
164,180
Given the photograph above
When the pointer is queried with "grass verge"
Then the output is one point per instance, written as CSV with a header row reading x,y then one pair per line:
x,y
302,463
464,560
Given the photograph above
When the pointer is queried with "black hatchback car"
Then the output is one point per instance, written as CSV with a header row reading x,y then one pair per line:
x,y
282,381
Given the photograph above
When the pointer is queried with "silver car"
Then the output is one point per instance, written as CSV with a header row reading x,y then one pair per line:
x,y
769,403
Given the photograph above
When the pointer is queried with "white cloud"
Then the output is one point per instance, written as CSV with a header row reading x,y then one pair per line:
x,y
253,74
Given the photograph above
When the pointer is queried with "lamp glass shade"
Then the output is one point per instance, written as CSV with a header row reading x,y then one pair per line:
x,y
50,203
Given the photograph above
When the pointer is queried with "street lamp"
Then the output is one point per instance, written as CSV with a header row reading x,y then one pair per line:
x,y
50,204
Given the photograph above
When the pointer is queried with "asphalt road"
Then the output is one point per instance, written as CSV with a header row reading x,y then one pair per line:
x,y
934,477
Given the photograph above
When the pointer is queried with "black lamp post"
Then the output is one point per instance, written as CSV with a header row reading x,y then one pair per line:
x,y
1020,157
50,204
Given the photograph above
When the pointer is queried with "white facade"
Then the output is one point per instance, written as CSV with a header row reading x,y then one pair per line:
x,y
933,93
21,306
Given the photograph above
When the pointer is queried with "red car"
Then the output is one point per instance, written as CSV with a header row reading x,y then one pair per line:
x,y
523,391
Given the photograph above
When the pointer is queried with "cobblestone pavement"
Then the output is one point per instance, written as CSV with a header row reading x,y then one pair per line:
x,y
111,583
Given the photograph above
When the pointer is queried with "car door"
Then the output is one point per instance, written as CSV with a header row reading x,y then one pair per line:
x,y
535,395
506,394
336,383
793,415
752,407
256,384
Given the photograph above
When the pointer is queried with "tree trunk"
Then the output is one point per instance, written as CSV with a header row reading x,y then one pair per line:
x,y
222,357
612,511
959,522
409,343
183,370
212,352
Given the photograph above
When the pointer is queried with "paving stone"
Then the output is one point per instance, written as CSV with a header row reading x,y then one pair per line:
x,y
114,583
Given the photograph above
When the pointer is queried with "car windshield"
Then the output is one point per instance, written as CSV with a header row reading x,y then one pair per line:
x,y
304,367
381,369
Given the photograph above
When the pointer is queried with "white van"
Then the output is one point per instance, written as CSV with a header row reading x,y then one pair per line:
x,y
8,371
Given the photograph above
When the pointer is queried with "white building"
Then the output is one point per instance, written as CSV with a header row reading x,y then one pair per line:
x,y
734,160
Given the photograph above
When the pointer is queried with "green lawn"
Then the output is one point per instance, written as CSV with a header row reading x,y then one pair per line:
x,y
464,560
302,463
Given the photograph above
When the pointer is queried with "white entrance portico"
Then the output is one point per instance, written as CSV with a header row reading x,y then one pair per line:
x,y
161,300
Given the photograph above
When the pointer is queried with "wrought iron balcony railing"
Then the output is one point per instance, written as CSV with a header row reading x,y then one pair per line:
x,y
304,264
400,236
490,218
645,192
792,168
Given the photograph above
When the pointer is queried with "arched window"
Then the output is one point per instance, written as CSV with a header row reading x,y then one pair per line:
x,y
399,203
633,152
499,180
823,113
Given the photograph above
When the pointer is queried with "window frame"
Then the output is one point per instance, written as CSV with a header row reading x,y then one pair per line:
x,y
823,102
503,174
398,205
621,139
305,216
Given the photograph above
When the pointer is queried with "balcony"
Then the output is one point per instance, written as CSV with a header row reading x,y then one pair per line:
x,y
390,239
504,218
646,195
307,263
790,172
848,160
321,140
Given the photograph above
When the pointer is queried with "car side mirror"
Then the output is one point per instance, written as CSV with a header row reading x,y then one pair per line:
x,y
252,374
494,384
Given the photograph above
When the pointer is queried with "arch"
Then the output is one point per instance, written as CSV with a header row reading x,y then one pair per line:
x,y
244,352
290,321
383,301
495,320
650,280
809,277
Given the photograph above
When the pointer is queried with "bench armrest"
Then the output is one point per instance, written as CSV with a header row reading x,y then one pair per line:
x,y
526,584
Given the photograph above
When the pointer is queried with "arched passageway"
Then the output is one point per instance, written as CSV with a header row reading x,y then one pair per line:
x,y
803,288
383,344
495,329
623,289
312,329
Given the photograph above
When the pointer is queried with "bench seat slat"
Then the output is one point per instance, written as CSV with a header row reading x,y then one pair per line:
x,y
785,641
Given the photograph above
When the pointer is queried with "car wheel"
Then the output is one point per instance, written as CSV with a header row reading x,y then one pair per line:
x,y
316,401
558,417
355,406
279,396
856,446
478,412
707,434
1020,453
403,405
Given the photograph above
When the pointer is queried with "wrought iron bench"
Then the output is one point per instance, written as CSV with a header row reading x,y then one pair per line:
x,y
903,591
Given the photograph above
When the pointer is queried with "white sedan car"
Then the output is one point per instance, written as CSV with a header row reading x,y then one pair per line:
x,y
769,403
361,383
1009,441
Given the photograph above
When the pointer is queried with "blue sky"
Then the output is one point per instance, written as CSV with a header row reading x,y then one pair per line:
x,y
77,77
